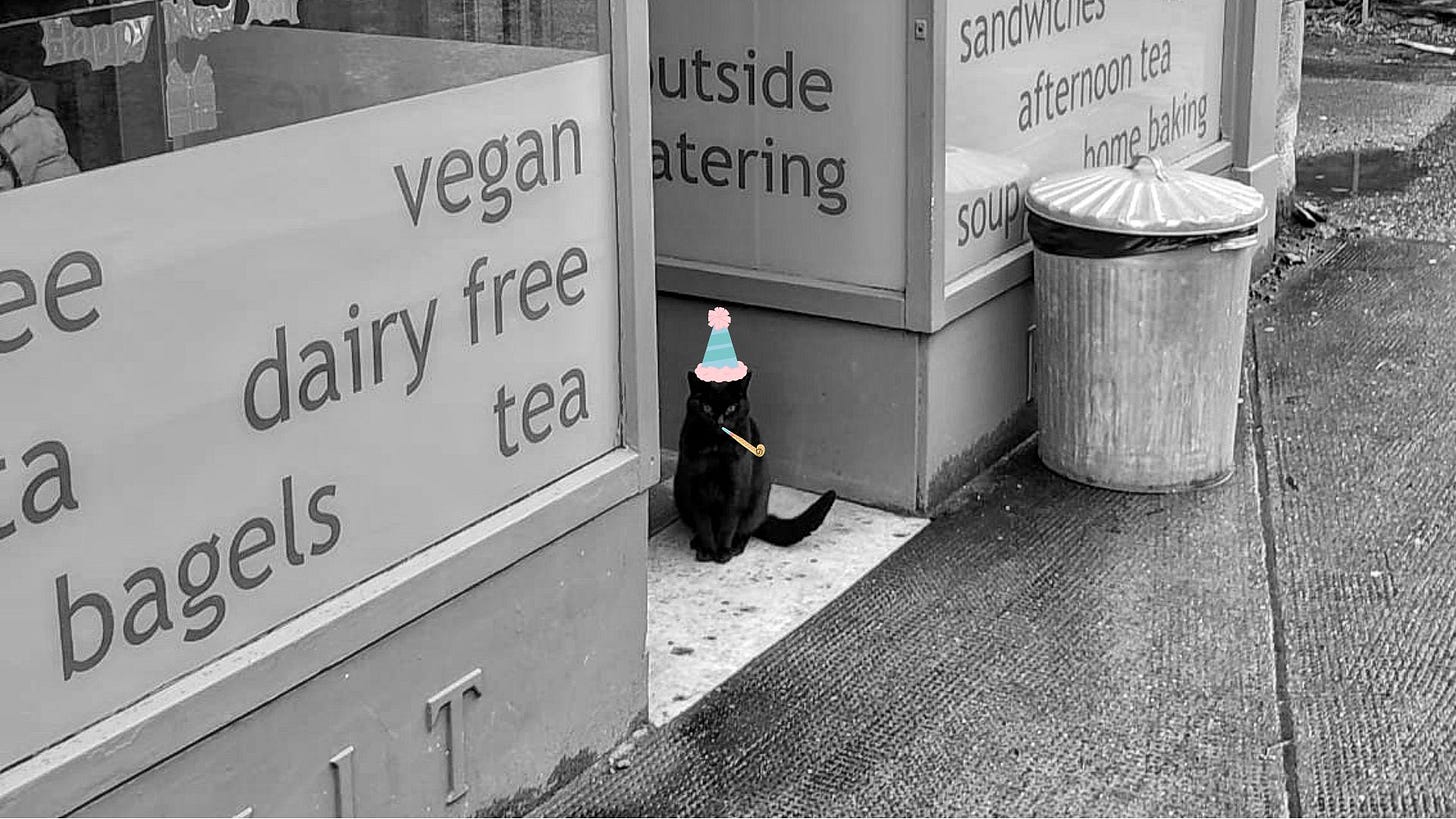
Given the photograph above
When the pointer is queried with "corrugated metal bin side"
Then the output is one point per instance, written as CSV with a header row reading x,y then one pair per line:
x,y
1138,363
1141,284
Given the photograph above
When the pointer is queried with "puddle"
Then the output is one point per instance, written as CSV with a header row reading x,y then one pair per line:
x,y
1352,173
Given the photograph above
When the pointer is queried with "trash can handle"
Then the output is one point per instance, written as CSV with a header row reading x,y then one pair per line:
x,y
1157,164
1236,243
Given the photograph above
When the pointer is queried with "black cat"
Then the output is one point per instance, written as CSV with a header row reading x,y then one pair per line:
x,y
721,489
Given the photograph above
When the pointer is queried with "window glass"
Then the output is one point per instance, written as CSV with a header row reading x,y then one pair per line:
x,y
1035,87
84,85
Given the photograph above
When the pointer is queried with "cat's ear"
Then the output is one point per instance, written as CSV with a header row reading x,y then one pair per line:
x,y
693,382
747,377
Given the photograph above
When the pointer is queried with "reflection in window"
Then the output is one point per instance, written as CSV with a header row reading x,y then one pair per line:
x,y
86,83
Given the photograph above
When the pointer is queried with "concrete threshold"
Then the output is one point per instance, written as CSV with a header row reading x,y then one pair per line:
x,y
706,621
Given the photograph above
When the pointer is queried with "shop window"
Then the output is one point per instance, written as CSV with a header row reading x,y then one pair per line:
x,y
1036,88
87,84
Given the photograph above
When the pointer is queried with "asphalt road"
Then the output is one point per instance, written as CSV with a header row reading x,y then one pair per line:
x,y
1382,136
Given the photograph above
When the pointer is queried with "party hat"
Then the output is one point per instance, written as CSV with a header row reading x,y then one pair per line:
x,y
720,362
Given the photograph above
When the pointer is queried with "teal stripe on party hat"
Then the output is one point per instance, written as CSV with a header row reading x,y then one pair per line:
x,y
719,352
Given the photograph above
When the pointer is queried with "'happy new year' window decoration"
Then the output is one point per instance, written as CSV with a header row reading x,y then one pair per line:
x,y
101,46
122,42
185,18
193,21
272,11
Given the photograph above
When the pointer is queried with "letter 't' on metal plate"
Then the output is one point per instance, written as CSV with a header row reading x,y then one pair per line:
x,y
342,766
451,702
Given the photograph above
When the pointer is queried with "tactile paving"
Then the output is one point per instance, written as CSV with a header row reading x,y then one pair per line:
x,y
1357,369
1049,649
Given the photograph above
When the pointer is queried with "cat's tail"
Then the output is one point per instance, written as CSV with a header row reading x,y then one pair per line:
x,y
788,531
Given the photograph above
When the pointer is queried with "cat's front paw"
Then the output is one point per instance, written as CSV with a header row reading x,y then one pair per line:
x,y
702,556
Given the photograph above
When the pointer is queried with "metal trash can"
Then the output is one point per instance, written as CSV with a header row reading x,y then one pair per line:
x,y
1141,287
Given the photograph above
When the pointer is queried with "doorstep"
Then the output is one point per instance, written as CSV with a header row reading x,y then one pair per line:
x,y
705,621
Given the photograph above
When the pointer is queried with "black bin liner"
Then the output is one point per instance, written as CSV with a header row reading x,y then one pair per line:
x,y
1086,243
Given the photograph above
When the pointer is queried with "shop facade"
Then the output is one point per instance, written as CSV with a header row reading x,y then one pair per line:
x,y
334,336
850,177
326,335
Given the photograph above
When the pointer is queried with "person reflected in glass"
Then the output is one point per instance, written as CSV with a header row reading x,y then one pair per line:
x,y
33,147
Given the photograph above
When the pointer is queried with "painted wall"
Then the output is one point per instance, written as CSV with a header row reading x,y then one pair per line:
x,y
559,641
857,425
836,402
976,404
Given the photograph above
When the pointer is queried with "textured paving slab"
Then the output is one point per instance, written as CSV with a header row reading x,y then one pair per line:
x,y
1358,386
1050,649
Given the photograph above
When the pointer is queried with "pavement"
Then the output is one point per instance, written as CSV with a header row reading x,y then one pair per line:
x,y
1357,386
1278,645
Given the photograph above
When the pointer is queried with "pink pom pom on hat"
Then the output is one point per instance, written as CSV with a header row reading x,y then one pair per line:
x,y
720,362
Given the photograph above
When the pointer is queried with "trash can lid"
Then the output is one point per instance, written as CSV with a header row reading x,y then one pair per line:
x,y
1146,199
